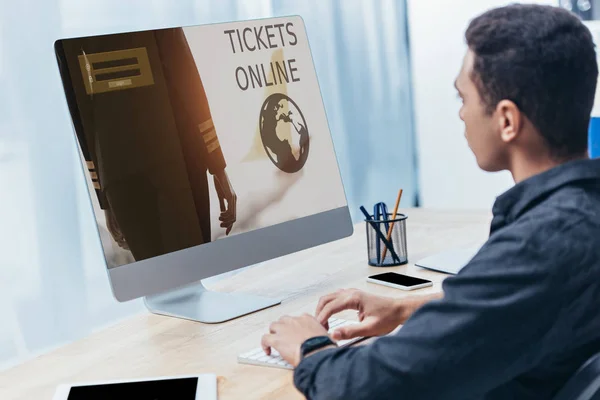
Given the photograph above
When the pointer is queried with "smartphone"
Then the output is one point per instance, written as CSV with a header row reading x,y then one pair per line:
x,y
399,281
199,387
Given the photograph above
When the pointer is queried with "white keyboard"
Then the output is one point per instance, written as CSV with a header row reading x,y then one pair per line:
x,y
258,357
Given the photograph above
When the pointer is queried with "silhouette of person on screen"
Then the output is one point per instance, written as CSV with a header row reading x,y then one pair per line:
x,y
146,132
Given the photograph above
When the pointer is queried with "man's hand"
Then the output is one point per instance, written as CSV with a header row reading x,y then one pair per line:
x,y
378,315
287,335
115,230
226,194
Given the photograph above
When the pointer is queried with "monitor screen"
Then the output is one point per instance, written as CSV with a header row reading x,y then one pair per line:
x,y
191,135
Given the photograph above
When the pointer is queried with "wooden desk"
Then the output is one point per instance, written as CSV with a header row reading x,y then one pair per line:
x,y
150,345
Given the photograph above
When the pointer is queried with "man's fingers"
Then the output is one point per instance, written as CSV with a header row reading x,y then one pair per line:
x,y
123,243
353,331
228,210
273,327
227,214
267,342
227,218
323,301
227,225
335,306
228,221
222,204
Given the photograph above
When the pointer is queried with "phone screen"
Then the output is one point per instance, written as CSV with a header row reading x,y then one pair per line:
x,y
182,388
398,279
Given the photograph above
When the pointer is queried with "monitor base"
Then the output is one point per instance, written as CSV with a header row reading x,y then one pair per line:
x,y
197,303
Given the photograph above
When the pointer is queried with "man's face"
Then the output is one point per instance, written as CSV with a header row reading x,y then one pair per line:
x,y
482,130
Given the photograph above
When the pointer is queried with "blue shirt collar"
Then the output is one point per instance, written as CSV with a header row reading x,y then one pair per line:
x,y
515,201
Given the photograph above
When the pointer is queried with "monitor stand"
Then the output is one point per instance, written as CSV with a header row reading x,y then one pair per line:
x,y
197,303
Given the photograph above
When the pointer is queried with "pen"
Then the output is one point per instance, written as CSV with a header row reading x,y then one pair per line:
x,y
380,213
379,234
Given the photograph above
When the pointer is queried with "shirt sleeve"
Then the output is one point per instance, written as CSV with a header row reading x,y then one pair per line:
x,y
87,150
189,98
93,174
491,326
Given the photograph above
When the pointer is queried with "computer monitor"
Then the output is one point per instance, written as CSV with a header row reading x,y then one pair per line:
x,y
205,149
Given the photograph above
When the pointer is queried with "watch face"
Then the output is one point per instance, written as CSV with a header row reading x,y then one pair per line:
x,y
316,340
315,343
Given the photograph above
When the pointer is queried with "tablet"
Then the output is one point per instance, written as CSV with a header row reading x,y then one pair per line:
x,y
199,387
449,262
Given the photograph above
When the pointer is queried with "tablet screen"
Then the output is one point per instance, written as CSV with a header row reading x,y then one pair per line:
x,y
182,388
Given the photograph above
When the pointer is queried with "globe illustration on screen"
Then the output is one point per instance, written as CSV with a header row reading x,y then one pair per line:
x,y
284,133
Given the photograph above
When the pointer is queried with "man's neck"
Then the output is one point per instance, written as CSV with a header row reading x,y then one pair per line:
x,y
525,167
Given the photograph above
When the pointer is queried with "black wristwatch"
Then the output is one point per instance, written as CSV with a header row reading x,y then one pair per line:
x,y
315,343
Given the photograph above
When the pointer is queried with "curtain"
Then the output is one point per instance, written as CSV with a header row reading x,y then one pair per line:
x,y
53,282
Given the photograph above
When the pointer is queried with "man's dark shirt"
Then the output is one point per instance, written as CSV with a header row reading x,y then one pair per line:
x,y
515,323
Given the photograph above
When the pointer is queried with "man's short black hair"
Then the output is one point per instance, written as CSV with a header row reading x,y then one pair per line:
x,y
543,59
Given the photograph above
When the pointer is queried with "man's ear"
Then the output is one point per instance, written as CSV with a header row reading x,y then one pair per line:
x,y
509,119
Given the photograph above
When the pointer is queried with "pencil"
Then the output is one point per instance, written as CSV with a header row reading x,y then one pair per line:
x,y
389,234
379,234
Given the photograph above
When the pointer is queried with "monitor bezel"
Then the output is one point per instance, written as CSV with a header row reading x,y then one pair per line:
x,y
174,270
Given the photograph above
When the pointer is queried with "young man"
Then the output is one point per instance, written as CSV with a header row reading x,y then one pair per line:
x,y
523,315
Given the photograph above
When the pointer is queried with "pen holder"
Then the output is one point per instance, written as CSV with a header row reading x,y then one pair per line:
x,y
381,251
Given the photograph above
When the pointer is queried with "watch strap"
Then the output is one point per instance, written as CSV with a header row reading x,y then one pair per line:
x,y
315,343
